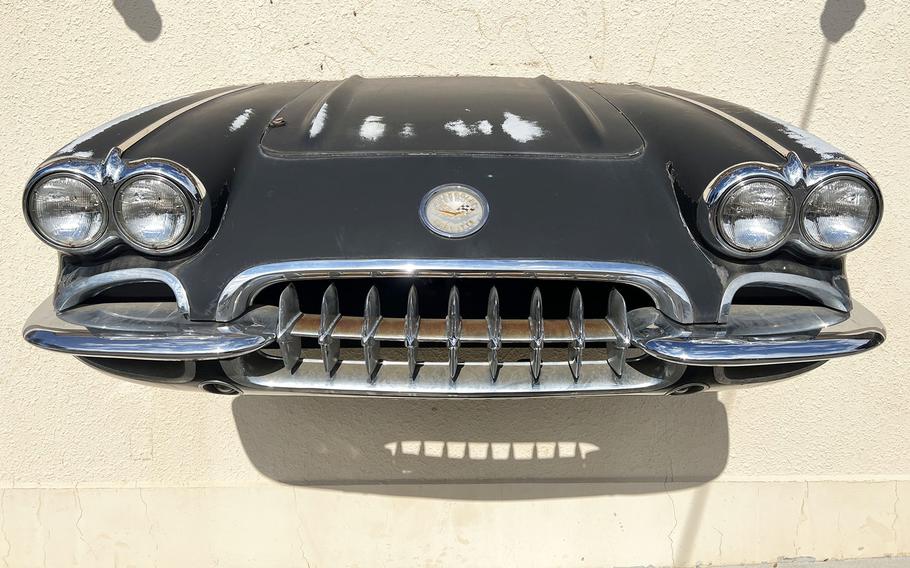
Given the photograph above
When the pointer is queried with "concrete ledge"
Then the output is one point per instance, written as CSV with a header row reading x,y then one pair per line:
x,y
902,562
533,524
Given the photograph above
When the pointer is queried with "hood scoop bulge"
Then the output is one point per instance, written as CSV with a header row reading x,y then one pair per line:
x,y
425,115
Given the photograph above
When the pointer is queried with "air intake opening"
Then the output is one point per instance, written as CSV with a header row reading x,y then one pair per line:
x,y
134,292
763,295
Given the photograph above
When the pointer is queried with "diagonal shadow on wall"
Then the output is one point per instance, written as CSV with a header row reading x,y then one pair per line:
x,y
442,448
837,19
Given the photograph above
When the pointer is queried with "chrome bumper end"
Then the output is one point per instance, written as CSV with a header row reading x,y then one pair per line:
x,y
156,331
759,335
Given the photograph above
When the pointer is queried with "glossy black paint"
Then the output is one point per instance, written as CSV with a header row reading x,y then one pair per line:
x,y
613,176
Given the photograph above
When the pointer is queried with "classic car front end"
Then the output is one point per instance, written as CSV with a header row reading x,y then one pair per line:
x,y
455,237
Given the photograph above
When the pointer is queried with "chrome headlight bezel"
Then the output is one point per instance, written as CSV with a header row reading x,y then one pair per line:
x,y
107,177
121,222
743,186
815,243
800,180
29,194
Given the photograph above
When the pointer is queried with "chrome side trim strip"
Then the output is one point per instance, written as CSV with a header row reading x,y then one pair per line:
x,y
825,292
783,151
669,296
84,288
132,140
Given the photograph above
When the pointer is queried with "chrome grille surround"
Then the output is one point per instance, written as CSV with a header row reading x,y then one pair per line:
x,y
668,295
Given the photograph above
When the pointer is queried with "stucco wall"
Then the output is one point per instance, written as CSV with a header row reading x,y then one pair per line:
x,y
98,472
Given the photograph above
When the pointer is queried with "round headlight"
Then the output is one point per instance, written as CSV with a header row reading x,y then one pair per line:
x,y
755,216
67,211
840,213
152,212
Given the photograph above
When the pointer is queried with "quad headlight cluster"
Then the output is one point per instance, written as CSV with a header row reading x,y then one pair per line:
x,y
81,206
826,209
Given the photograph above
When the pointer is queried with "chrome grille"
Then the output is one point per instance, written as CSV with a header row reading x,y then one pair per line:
x,y
412,334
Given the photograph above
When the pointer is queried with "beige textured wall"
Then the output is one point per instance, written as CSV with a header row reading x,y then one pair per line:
x,y
98,472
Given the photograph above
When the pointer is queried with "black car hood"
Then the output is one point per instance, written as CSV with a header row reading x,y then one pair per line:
x,y
571,171
453,114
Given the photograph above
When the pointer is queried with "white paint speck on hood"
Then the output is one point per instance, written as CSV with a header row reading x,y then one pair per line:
x,y
241,119
84,154
519,129
806,139
98,130
460,128
372,128
319,120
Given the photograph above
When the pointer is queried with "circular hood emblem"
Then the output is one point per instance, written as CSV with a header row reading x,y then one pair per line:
x,y
454,210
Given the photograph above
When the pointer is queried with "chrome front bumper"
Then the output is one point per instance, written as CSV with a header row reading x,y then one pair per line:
x,y
669,357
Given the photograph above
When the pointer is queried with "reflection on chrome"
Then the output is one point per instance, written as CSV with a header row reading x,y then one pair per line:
x,y
500,451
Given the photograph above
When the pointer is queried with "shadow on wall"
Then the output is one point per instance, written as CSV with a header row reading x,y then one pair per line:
x,y
838,18
558,447
141,16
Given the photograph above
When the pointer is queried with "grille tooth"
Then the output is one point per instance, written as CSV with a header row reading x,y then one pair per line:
x,y
371,319
577,327
411,330
494,331
535,321
288,314
453,330
328,318
616,317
